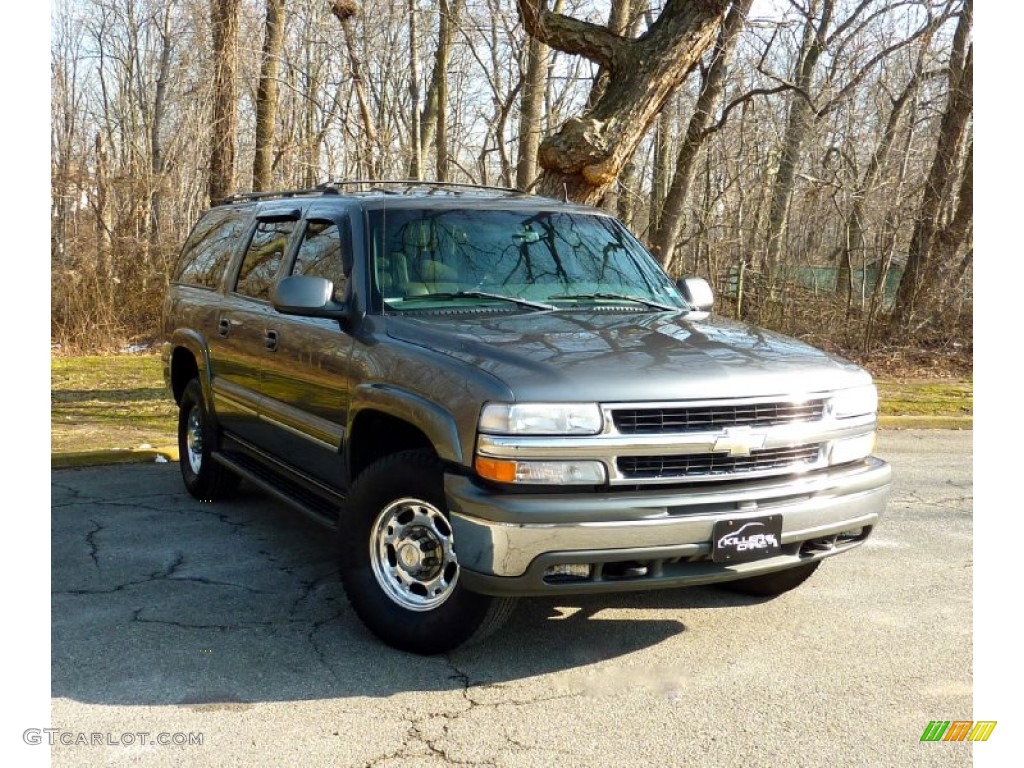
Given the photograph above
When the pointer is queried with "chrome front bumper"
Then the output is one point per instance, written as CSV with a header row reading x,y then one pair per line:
x,y
506,542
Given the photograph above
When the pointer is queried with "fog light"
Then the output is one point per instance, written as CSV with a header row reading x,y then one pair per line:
x,y
852,448
567,571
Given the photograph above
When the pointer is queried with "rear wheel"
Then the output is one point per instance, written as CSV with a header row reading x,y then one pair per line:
x,y
773,584
399,563
204,478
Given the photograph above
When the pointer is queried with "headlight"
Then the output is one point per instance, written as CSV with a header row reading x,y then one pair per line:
x,y
541,419
859,401
541,472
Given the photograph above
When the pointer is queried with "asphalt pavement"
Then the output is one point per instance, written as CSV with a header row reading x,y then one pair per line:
x,y
225,623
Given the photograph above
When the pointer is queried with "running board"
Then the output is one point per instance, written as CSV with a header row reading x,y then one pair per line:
x,y
320,508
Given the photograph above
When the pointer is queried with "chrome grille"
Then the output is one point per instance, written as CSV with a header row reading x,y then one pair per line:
x,y
704,464
700,418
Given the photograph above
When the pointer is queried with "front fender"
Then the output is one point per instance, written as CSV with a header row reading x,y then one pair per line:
x,y
434,421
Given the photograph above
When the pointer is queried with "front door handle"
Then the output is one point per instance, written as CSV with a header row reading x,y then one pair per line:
x,y
224,327
270,341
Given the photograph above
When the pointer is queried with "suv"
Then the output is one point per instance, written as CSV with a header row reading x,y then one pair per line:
x,y
490,395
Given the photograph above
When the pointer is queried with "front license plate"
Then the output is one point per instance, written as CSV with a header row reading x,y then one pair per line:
x,y
752,538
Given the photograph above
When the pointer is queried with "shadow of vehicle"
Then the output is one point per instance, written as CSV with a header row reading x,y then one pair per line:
x,y
159,599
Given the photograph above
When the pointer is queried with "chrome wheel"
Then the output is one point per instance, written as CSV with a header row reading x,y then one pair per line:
x,y
412,554
194,438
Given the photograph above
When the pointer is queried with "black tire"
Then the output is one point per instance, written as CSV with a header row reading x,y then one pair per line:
x,y
204,478
398,563
773,584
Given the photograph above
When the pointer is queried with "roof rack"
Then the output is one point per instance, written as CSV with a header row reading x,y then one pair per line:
x,y
387,186
244,197
408,184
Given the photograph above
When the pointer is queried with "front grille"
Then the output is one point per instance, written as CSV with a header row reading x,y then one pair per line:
x,y
702,464
653,421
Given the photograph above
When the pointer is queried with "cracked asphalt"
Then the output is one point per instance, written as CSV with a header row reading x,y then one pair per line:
x,y
174,616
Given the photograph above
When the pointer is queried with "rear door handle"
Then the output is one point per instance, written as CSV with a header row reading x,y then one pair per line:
x,y
270,340
224,326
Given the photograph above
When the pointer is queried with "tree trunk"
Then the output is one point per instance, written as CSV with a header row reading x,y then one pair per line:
x,y
924,270
664,238
445,8
853,242
266,96
344,10
587,153
157,160
439,76
416,163
797,127
660,170
224,21
101,208
618,22
532,112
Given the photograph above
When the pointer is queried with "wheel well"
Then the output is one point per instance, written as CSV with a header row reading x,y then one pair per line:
x,y
375,434
183,370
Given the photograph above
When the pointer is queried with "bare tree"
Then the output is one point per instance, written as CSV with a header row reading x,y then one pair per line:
x,y
416,166
663,238
447,23
147,123
935,237
344,10
267,95
531,115
587,154
224,23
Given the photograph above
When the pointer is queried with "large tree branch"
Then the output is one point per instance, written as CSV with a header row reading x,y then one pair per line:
x,y
570,35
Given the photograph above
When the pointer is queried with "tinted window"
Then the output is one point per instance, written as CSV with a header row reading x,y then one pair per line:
x,y
320,255
209,248
263,257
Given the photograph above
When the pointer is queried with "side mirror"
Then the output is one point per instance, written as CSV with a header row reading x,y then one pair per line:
x,y
307,296
697,292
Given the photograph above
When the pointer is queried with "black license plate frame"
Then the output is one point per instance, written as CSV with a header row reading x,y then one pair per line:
x,y
746,539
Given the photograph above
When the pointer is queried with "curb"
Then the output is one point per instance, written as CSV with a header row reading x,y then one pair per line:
x,y
926,422
159,455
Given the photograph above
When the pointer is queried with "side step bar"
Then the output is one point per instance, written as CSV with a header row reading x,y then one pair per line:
x,y
320,505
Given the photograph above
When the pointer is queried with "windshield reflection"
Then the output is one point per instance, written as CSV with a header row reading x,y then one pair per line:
x,y
562,259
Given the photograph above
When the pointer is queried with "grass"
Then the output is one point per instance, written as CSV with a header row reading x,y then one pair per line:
x,y
927,398
100,402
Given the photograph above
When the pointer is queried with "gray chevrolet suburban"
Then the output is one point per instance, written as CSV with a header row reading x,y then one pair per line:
x,y
489,395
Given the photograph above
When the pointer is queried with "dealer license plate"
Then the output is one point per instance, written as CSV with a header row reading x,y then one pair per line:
x,y
743,540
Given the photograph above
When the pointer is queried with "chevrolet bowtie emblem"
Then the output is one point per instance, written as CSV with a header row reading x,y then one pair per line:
x,y
739,441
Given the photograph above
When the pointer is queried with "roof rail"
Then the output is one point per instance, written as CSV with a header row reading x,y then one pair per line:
x,y
386,186
244,197
413,183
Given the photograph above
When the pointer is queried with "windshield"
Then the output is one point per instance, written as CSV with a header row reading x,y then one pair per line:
x,y
429,259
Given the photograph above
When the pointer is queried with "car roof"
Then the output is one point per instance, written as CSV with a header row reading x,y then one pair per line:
x,y
412,194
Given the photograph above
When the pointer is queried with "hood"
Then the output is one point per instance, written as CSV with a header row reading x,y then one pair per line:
x,y
617,355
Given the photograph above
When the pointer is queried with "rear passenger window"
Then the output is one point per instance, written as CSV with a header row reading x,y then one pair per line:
x,y
209,248
263,257
320,255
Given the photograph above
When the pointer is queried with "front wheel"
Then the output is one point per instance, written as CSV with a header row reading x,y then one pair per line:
x,y
773,584
399,562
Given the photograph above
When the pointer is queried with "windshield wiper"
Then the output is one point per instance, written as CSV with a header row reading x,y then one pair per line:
x,y
618,297
479,295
